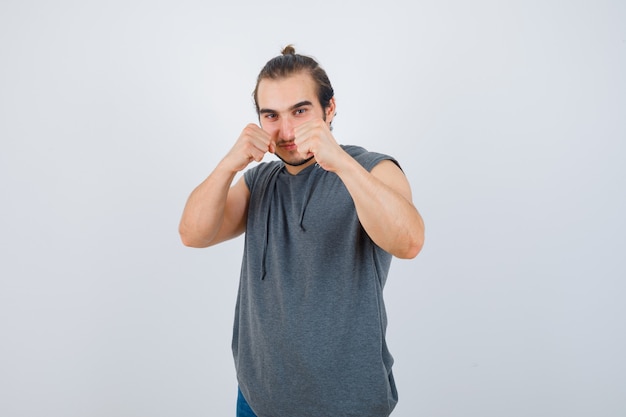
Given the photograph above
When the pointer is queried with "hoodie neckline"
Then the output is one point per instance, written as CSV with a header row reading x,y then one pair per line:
x,y
302,172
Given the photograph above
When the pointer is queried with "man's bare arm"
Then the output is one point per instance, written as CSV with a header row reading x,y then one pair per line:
x,y
384,205
215,211
382,198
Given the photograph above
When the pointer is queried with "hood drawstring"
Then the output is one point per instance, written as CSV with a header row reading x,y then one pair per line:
x,y
270,188
310,188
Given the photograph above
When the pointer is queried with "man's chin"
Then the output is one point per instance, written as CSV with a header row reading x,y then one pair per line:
x,y
294,162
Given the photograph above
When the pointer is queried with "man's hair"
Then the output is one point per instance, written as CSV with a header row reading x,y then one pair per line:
x,y
290,63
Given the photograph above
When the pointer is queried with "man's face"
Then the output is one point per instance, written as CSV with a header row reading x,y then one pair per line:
x,y
286,103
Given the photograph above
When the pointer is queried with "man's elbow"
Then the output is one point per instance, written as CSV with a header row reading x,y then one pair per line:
x,y
410,253
192,241
412,248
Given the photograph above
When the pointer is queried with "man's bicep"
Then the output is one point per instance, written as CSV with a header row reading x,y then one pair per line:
x,y
392,176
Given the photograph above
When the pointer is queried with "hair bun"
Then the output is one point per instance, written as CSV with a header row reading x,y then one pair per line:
x,y
289,50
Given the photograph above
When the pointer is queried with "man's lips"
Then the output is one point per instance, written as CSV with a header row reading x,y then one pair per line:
x,y
289,146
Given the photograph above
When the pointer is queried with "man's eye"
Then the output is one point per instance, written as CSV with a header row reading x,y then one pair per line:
x,y
270,116
300,111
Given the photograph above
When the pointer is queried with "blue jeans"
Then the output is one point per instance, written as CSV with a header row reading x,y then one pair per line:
x,y
243,409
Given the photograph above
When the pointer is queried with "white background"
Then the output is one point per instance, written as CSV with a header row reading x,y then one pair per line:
x,y
508,118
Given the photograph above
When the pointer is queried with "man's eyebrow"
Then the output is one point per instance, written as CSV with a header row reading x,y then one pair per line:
x,y
301,104
295,106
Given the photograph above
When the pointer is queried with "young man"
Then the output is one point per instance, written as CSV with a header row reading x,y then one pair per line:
x,y
321,226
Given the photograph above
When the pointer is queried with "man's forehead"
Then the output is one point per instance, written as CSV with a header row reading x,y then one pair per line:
x,y
286,90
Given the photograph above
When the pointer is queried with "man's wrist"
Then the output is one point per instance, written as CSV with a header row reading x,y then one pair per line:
x,y
225,170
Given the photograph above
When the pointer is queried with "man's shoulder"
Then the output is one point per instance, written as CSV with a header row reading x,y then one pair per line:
x,y
367,158
264,167
261,171
354,150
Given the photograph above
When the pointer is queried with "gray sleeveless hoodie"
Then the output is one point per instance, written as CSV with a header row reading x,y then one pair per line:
x,y
309,331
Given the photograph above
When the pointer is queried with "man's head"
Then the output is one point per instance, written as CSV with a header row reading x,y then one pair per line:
x,y
289,63
292,90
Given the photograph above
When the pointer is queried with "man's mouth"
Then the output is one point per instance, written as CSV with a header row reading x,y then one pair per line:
x,y
289,146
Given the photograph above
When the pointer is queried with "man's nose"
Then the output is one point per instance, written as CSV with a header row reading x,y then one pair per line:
x,y
287,129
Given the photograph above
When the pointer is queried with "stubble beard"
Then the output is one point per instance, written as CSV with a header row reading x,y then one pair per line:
x,y
295,163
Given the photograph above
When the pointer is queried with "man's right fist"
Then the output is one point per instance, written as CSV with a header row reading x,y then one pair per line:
x,y
252,145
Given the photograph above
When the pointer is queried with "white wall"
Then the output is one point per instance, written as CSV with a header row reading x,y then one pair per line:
x,y
508,118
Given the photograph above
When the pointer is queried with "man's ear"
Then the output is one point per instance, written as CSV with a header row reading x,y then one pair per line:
x,y
330,110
